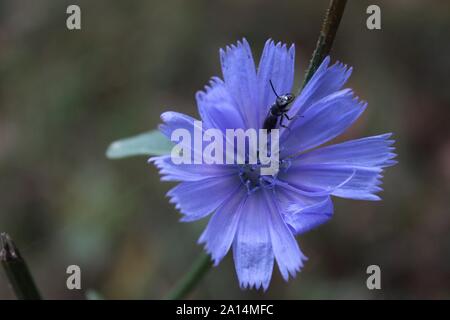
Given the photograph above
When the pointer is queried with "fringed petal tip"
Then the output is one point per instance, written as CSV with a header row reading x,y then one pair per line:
x,y
163,128
204,243
185,218
344,68
270,44
213,81
159,161
245,285
175,201
166,116
292,272
163,170
153,160
282,50
229,49
390,163
338,67
209,251
173,198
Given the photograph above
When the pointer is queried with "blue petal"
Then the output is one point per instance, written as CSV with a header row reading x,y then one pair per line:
x,y
239,73
303,213
276,65
311,217
327,166
363,186
325,120
197,199
252,248
286,250
174,121
339,180
189,172
220,232
375,151
325,81
217,108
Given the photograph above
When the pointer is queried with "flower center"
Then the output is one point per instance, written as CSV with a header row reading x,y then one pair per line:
x,y
250,175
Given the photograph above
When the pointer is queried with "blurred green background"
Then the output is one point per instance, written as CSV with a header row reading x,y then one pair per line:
x,y
65,95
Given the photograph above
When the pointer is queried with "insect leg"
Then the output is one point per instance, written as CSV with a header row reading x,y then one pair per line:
x,y
286,127
293,117
281,122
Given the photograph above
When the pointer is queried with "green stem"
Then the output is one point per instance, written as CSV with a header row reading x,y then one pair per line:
x,y
191,279
16,270
326,36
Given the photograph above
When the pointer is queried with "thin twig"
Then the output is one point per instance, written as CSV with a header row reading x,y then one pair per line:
x,y
16,270
326,36
190,280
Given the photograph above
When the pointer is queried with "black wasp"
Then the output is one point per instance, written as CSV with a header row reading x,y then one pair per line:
x,y
278,110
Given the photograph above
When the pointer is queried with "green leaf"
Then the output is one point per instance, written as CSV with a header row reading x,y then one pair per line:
x,y
92,294
152,143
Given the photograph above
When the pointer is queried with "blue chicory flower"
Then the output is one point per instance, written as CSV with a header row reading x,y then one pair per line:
x,y
261,225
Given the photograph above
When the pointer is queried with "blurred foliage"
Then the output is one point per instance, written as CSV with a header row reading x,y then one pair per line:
x,y
151,143
65,95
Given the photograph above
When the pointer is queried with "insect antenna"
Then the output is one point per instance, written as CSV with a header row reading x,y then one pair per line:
x,y
273,89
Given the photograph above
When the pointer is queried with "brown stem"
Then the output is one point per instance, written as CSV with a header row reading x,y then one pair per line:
x,y
326,36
